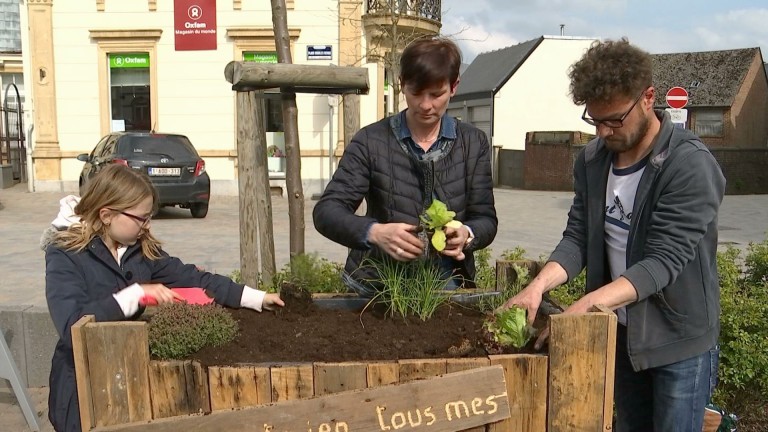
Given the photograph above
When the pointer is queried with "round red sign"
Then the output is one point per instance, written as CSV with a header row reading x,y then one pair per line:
x,y
677,97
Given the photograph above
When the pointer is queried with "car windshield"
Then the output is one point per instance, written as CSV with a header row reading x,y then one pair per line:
x,y
171,146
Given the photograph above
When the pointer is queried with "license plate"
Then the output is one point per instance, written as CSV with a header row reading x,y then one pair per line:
x,y
162,171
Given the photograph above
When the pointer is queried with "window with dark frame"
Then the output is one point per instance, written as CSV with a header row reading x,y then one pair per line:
x,y
709,123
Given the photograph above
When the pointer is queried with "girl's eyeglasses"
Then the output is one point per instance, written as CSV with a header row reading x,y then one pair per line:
x,y
143,221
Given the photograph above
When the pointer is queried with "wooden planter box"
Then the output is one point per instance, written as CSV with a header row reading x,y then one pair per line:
x,y
120,388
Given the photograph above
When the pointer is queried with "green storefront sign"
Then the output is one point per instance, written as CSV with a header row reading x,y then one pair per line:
x,y
133,60
260,57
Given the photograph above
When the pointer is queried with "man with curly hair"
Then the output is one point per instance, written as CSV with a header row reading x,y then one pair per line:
x,y
644,224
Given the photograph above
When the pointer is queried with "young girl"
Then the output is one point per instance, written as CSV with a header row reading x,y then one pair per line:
x,y
105,262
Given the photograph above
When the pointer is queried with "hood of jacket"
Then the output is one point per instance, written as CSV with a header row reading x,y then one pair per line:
x,y
64,219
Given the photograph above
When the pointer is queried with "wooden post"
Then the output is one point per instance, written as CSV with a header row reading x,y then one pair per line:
x,y
246,76
291,131
582,352
351,105
254,195
83,372
506,274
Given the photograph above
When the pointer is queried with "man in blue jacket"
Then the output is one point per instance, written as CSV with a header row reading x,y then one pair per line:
x,y
644,224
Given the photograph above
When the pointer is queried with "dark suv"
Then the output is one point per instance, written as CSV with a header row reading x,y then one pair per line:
x,y
170,161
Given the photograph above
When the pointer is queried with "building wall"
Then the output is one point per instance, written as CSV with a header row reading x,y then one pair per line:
x,y
191,94
549,166
536,97
750,108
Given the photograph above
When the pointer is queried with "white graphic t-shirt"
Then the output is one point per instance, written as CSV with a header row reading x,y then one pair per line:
x,y
619,203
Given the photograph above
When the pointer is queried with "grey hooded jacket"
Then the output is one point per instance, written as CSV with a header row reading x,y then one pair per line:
x,y
671,248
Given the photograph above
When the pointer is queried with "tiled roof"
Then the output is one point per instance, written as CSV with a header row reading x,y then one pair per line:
x,y
712,78
490,70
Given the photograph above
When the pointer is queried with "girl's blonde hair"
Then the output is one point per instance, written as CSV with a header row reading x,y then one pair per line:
x,y
116,187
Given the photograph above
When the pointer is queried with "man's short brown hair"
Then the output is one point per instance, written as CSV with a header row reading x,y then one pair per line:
x,y
608,70
430,61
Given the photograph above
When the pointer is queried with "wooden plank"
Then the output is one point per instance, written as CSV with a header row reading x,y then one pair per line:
x,y
413,369
610,365
178,388
237,387
291,382
82,371
452,402
526,378
461,364
118,356
581,357
338,377
383,373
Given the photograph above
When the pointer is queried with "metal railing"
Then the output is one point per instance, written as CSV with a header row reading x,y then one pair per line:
x,y
429,9
13,149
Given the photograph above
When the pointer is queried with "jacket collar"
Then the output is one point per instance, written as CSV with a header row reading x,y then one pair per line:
x,y
99,249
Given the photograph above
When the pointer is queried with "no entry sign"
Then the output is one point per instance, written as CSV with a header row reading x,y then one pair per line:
x,y
677,97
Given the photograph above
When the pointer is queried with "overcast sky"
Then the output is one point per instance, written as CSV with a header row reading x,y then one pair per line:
x,y
654,25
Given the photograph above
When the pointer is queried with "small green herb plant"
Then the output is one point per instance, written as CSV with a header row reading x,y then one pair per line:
x,y
180,329
435,218
411,288
508,327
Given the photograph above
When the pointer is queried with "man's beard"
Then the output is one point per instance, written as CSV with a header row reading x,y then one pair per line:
x,y
631,141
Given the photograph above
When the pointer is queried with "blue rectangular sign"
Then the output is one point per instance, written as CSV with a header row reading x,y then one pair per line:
x,y
319,52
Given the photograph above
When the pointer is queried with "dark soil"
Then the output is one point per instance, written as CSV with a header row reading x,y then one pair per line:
x,y
304,332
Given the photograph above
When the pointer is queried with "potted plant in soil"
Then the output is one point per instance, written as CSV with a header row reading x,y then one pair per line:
x,y
275,159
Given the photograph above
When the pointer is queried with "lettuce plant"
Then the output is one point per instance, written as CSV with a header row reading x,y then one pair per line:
x,y
509,327
435,218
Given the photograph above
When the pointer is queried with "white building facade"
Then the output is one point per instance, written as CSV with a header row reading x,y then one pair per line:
x,y
97,66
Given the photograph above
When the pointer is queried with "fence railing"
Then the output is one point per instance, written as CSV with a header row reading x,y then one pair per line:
x,y
429,9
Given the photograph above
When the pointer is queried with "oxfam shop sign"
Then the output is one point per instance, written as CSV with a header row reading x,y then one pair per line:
x,y
135,60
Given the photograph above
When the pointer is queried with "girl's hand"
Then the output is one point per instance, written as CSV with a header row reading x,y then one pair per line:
x,y
161,293
272,301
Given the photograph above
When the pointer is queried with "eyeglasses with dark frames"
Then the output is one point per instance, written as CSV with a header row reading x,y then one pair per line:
x,y
143,221
613,123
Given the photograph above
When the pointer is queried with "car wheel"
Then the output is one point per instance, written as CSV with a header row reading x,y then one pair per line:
x,y
199,210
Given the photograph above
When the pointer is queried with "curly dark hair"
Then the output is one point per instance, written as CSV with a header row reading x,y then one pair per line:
x,y
610,69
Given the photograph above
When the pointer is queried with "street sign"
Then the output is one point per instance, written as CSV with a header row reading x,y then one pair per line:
x,y
319,52
678,115
677,97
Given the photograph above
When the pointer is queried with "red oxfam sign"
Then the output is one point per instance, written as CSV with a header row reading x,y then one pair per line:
x,y
194,24
677,97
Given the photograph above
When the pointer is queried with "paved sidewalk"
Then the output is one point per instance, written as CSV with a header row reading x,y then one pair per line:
x,y
533,220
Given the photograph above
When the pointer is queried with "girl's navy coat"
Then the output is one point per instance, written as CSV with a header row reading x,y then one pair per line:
x,y
82,283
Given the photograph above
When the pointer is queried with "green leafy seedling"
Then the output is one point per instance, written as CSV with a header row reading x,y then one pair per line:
x,y
510,327
435,218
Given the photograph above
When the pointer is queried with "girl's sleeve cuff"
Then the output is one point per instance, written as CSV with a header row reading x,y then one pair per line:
x,y
252,298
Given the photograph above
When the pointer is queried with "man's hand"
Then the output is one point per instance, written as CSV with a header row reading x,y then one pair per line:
x,y
399,240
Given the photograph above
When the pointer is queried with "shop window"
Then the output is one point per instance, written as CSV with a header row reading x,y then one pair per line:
x,y
129,89
709,123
